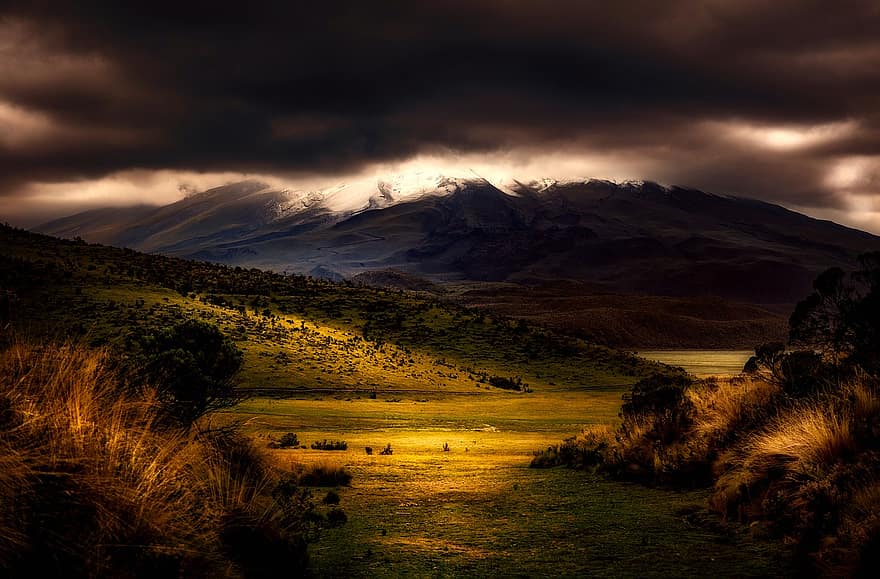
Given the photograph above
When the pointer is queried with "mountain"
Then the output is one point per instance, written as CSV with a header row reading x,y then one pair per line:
x,y
600,237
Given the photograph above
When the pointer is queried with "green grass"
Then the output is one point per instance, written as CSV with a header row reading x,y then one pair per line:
x,y
478,510
313,361
317,335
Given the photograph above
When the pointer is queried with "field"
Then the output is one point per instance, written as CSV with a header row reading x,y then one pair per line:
x,y
478,510
378,367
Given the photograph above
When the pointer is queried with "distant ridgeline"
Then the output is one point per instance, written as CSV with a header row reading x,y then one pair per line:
x,y
295,331
632,238
632,265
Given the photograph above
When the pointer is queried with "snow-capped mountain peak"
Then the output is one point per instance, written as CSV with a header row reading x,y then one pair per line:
x,y
370,193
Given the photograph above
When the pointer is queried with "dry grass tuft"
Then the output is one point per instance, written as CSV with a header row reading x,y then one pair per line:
x,y
91,484
324,473
723,407
806,438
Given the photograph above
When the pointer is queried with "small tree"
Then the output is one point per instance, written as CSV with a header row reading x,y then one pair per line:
x,y
820,320
798,373
658,400
841,318
194,366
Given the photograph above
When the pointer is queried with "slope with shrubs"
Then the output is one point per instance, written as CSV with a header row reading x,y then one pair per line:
x,y
792,447
295,332
95,481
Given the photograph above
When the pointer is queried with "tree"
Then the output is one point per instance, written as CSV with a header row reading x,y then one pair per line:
x,y
841,318
798,373
820,321
767,358
194,366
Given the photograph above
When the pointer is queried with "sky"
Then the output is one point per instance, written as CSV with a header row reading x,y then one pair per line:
x,y
115,103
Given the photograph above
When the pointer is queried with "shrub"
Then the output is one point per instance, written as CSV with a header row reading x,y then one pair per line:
x,y
587,449
798,373
513,383
192,365
808,470
726,409
336,518
670,433
657,409
288,440
330,445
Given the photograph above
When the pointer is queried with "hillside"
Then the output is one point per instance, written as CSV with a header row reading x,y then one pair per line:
x,y
298,334
374,369
602,238
633,321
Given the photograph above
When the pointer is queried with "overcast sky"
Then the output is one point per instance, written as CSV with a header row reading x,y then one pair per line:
x,y
137,102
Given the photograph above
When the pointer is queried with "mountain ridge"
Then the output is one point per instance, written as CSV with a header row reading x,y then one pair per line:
x,y
633,237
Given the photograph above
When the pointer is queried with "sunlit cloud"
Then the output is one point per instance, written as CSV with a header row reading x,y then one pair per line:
x,y
785,138
133,187
855,174
523,165
21,127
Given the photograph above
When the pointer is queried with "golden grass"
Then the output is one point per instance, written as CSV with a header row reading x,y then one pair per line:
x,y
108,484
807,437
324,473
813,443
721,405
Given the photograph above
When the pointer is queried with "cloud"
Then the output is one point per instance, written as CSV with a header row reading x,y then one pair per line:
x,y
771,100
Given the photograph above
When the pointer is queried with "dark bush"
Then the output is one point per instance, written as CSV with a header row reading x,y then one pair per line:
x,y
193,365
288,440
513,383
797,373
336,518
574,452
330,445
660,399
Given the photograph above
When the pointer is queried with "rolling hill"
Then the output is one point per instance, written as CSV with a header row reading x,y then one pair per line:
x,y
297,334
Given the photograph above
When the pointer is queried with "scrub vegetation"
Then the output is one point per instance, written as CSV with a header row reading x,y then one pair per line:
x,y
95,482
790,447
167,417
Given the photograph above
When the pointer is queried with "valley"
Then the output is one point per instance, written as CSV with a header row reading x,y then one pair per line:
x,y
444,289
375,367
479,510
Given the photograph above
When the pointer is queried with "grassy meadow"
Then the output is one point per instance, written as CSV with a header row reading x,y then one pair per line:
x,y
478,509
373,368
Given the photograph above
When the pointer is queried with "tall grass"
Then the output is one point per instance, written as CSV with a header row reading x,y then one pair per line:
x,y
725,408
92,482
806,468
812,471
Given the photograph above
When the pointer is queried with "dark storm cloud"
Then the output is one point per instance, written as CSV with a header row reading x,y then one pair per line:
x,y
90,88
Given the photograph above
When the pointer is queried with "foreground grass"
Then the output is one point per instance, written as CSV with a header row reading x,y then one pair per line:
x,y
478,510
803,469
94,481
